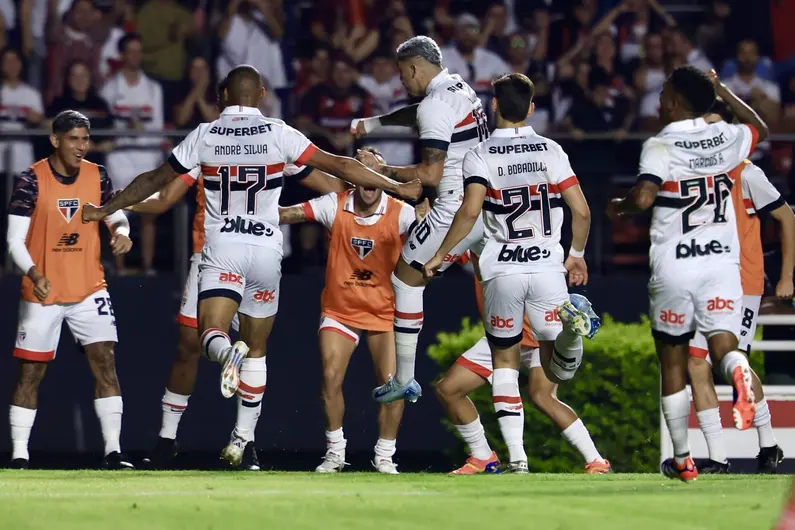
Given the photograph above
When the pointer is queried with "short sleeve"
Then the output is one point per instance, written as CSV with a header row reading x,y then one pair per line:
x,y
653,165
764,196
295,147
747,139
475,169
407,218
297,172
562,174
436,121
322,209
191,176
185,156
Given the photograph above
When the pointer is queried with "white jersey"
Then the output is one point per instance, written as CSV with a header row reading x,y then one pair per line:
x,y
693,217
759,194
243,157
451,118
525,175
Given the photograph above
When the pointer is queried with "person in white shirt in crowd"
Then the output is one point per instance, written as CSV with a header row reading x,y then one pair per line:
x,y
383,84
649,79
682,51
250,33
136,103
476,65
760,94
21,108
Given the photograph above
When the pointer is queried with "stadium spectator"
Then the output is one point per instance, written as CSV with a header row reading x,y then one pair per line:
x,y
712,34
21,108
199,103
136,104
681,51
604,60
80,94
602,110
313,72
250,33
573,28
467,58
630,21
165,27
649,77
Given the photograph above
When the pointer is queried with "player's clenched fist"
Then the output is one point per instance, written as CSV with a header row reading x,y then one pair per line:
x,y
41,285
363,126
92,213
120,244
410,190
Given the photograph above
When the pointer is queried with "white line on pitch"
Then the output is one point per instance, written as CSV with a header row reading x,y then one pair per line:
x,y
208,492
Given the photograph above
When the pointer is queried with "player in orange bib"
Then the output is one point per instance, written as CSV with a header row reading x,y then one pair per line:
x,y
64,280
752,194
367,228
182,378
473,369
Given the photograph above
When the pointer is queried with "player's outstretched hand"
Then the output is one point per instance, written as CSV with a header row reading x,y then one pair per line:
x,y
612,209
430,268
784,289
421,210
357,128
120,244
577,271
92,213
41,287
410,190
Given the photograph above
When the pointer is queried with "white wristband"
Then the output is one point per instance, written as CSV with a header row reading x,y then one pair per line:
x,y
370,124
576,253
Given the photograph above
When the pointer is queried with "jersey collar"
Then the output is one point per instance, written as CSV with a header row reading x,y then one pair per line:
x,y
441,76
381,210
684,125
238,109
510,132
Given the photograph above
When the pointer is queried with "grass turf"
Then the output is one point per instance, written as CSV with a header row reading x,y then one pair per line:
x,y
89,500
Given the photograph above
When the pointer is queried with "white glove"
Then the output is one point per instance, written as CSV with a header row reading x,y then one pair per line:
x,y
370,124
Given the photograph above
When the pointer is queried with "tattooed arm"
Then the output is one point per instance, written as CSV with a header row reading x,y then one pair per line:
x,y
404,116
428,171
139,189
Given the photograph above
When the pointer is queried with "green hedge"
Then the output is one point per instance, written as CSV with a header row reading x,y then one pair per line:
x,y
615,392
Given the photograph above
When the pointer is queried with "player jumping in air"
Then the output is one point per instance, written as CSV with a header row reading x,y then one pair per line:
x,y
474,369
451,121
64,280
182,378
695,276
366,234
520,180
752,195
242,156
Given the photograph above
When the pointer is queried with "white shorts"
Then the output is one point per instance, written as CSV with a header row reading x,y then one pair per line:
x,y
189,309
248,274
506,300
750,315
39,329
427,236
706,300
477,359
329,324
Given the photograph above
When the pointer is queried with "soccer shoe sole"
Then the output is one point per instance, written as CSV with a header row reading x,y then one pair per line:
x,y
576,320
744,407
230,375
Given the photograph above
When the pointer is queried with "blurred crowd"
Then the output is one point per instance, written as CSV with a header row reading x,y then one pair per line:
x,y
152,65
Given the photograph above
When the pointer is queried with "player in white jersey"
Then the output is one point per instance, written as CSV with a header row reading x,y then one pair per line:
x,y
520,180
242,156
694,255
451,121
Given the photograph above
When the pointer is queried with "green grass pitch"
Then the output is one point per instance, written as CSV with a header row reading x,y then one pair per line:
x,y
89,500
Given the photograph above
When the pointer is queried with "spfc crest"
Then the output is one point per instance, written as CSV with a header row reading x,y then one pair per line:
x,y
68,208
362,246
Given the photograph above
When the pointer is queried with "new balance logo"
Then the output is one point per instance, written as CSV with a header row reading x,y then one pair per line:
x,y
362,275
693,249
363,247
68,240
501,323
720,304
230,277
520,254
265,296
238,225
670,317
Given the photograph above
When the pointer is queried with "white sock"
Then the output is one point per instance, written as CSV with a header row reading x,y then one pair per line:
x,y
510,411
216,345
408,323
676,409
109,411
764,425
475,437
567,354
253,377
335,441
730,361
385,448
173,407
21,420
709,421
578,436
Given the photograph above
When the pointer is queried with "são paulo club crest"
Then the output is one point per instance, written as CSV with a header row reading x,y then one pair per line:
x,y
68,208
362,246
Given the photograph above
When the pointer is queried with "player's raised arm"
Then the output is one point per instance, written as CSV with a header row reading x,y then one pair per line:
x,y
404,116
743,112
165,199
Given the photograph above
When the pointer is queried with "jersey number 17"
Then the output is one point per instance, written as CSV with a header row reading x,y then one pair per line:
x,y
248,179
